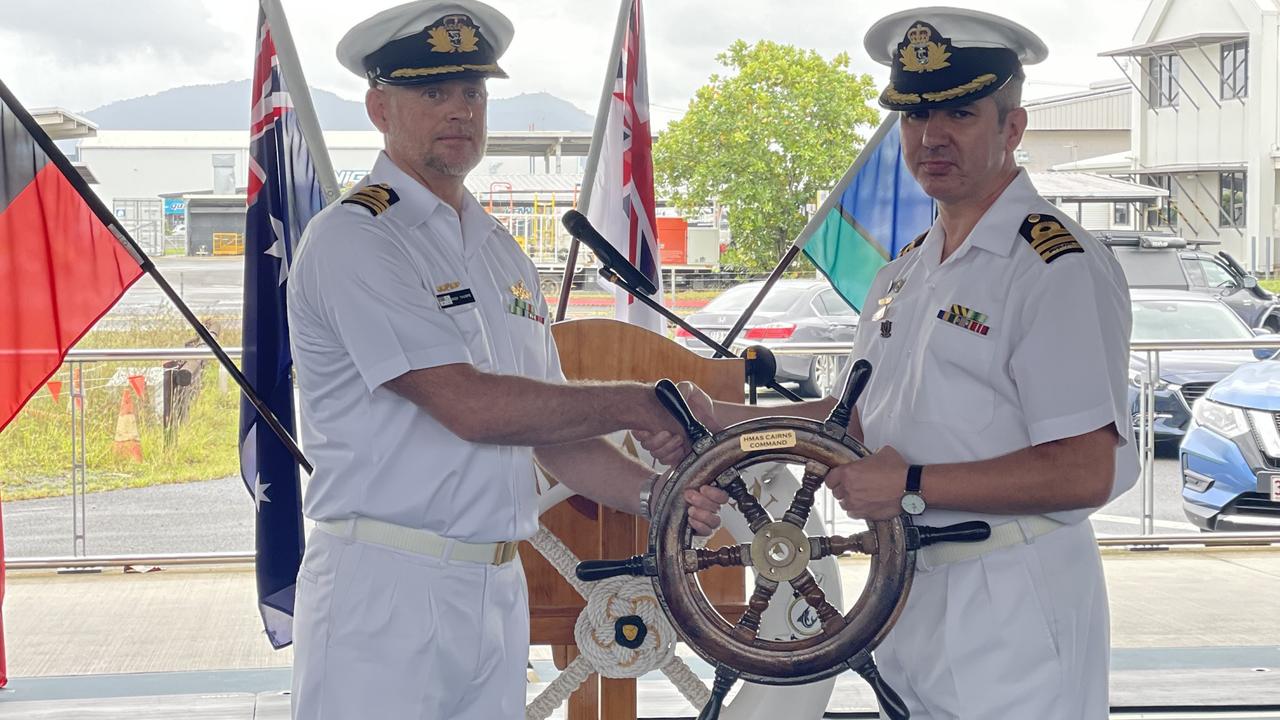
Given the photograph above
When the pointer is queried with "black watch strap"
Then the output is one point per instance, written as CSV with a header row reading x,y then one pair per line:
x,y
913,478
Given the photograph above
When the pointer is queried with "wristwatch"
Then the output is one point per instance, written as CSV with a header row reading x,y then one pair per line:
x,y
646,490
912,500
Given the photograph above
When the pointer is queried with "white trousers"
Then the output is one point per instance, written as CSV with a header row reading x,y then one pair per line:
x,y
1022,633
380,633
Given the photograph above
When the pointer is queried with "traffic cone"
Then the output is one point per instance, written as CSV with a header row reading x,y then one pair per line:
x,y
128,441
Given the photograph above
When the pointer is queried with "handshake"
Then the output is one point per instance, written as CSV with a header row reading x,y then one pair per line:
x,y
870,488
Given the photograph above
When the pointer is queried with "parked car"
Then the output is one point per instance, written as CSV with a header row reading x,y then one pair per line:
x,y
1170,262
794,311
1185,375
1230,456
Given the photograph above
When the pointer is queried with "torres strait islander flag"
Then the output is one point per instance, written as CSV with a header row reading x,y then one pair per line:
x,y
875,210
61,268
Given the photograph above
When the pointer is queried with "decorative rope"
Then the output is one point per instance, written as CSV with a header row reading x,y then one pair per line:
x,y
620,606
558,690
616,608
560,557
689,684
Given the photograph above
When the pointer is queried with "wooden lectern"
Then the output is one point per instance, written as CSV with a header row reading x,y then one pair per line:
x,y
600,349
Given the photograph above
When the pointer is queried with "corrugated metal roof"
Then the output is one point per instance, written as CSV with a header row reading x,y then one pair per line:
x,y
515,143
1087,187
500,185
214,139
1185,42
1107,108
62,124
1113,164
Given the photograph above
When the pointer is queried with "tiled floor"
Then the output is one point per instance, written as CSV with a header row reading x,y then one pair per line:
x,y
1189,627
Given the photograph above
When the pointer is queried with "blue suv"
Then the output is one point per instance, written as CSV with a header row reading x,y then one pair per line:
x,y
1231,453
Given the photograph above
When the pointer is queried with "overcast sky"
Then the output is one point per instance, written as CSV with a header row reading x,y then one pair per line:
x,y
80,54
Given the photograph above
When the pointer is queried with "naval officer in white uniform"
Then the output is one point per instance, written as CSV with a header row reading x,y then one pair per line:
x,y
429,383
999,343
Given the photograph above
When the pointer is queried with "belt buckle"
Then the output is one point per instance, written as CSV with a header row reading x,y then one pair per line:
x,y
504,552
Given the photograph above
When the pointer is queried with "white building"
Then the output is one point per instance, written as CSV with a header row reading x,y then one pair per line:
x,y
150,163
1065,133
1068,128
144,176
1206,77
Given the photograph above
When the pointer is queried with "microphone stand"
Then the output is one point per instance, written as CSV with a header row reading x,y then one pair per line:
x,y
609,274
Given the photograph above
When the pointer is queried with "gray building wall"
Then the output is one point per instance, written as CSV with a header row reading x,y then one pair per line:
x,y
206,218
1042,149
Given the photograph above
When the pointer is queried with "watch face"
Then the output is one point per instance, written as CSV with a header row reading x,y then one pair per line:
x,y
912,504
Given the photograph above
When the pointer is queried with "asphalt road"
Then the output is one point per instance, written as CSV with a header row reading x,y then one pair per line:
x,y
209,285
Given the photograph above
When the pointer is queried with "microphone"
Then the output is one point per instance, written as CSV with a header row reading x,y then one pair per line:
x,y
580,227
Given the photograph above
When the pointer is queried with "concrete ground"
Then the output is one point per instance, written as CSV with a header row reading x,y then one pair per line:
x,y
1190,627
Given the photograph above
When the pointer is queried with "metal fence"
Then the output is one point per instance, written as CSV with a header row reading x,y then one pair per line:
x,y
77,360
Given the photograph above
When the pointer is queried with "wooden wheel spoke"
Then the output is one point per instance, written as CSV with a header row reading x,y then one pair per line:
x,y
864,542
751,509
807,586
727,556
749,624
802,502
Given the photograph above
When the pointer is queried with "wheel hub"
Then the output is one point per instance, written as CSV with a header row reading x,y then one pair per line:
x,y
780,551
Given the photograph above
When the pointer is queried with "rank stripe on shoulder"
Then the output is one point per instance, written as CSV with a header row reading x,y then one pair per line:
x,y
913,244
374,198
1048,237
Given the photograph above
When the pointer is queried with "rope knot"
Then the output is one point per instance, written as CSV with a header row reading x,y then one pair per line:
x,y
623,631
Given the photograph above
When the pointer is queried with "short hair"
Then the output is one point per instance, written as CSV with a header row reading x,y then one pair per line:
x,y
1009,97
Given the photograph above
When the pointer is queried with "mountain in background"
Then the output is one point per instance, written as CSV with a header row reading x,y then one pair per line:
x,y
226,107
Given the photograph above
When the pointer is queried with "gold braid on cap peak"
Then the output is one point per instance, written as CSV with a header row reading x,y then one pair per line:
x,y
973,85
440,69
898,98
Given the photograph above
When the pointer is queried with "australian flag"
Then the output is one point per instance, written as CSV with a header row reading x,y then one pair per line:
x,y
283,196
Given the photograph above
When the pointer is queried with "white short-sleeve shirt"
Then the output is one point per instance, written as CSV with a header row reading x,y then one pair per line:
x,y
1000,347
398,283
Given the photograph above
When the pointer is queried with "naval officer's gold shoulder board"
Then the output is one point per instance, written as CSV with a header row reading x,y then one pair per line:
x,y
374,198
1048,237
913,244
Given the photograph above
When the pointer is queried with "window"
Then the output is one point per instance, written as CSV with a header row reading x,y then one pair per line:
x,y
1194,268
1151,268
831,303
1162,71
1232,184
1215,276
1120,214
736,299
1156,320
1235,70
1163,213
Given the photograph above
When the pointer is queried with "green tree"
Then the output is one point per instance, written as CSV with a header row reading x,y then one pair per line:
x,y
763,140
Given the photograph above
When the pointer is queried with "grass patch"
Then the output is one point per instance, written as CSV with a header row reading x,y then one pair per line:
x,y
1270,285
36,448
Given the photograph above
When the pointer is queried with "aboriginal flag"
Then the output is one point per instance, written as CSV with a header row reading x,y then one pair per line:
x,y
61,268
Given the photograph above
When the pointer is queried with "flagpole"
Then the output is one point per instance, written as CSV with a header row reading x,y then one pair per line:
x,y
300,96
811,227
107,218
593,154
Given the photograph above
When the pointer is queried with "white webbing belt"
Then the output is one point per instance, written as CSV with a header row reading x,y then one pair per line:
x,y
1022,529
422,542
